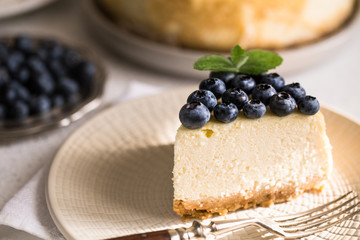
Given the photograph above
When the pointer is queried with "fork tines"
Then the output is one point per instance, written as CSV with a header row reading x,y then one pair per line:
x,y
320,218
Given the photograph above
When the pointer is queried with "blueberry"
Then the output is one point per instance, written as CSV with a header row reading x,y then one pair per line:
x,y
2,111
57,101
226,112
254,109
40,105
67,87
282,104
18,110
235,96
21,92
263,92
8,93
15,59
308,105
36,65
243,81
194,115
4,76
274,80
15,91
258,77
57,68
43,83
42,53
23,43
71,58
4,51
295,90
215,85
84,73
22,75
54,49
226,77
204,96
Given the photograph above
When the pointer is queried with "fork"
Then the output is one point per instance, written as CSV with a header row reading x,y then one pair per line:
x,y
290,226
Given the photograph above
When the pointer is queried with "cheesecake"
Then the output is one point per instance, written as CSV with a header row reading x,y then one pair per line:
x,y
218,25
223,167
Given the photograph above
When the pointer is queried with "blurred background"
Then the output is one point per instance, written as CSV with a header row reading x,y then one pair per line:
x,y
147,56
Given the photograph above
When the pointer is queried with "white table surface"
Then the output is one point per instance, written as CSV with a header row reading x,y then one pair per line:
x,y
336,82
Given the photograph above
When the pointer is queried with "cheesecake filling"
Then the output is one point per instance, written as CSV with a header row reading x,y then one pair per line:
x,y
224,167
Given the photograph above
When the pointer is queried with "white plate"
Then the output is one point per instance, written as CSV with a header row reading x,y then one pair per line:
x,y
112,177
10,8
180,61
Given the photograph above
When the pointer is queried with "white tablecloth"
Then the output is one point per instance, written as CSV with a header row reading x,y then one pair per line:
x,y
23,162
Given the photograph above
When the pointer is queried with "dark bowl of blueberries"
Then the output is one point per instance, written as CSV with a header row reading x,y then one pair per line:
x,y
45,83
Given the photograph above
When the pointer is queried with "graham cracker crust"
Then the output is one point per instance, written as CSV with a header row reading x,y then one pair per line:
x,y
205,208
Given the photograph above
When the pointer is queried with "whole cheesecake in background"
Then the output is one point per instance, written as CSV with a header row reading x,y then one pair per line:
x,y
220,24
223,167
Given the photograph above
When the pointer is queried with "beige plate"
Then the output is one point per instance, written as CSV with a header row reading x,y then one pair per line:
x,y
112,177
9,8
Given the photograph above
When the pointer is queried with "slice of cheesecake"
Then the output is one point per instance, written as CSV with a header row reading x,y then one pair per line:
x,y
224,167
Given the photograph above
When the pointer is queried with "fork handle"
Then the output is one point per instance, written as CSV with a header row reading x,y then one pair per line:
x,y
158,235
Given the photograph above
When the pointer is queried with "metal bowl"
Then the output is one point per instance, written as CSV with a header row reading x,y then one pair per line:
x,y
89,100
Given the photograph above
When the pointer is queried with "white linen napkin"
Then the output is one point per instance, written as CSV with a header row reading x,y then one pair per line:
x,y
27,212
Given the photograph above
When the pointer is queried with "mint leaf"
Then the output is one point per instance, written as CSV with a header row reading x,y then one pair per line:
x,y
237,54
215,63
242,60
248,62
260,61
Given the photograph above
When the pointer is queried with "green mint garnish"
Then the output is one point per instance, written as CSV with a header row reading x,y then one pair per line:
x,y
248,62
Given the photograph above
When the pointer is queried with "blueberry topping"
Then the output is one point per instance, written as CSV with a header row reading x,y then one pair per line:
x,y
204,96
226,113
254,109
40,104
194,115
258,77
215,85
226,77
308,105
282,104
274,80
245,82
263,92
18,110
295,90
235,96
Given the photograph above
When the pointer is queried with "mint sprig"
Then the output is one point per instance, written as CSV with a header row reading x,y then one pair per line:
x,y
248,62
